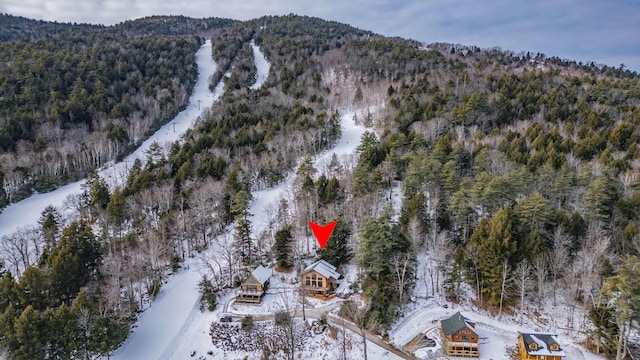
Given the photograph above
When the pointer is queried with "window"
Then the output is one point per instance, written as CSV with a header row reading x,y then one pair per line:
x,y
320,283
465,338
313,276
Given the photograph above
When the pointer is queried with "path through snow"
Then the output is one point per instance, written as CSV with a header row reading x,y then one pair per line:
x,y
161,328
27,211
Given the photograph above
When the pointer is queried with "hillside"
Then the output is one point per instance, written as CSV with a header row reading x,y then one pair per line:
x,y
75,97
498,182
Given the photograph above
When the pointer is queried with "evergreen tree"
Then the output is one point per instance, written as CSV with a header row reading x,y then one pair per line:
x,y
8,290
494,247
623,289
283,248
7,329
74,262
98,191
381,243
337,251
50,221
241,213
605,332
30,336
116,207
33,289
601,196
64,333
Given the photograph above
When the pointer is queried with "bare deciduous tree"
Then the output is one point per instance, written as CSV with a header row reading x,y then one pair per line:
x,y
540,268
557,258
523,282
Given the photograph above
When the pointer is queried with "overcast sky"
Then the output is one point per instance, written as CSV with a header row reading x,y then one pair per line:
x,y
603,31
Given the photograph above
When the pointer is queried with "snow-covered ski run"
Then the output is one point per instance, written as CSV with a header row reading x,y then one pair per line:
x,y
27,211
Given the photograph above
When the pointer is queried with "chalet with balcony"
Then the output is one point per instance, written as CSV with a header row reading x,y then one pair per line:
x,y
320,280
460,337
539,346
254,286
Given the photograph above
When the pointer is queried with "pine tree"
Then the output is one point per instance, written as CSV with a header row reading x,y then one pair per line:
x,y
64,334
283,248
337,251
624,291
7,331
75,261
33,289
50,221
8,293
498,245
30,336
601,196
241,213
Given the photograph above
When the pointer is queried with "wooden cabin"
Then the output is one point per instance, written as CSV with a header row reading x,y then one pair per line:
x,y
254,286
460,337
539,346
320,279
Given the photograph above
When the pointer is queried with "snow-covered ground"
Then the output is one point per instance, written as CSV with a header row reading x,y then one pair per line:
x,y
196,338
27,211
423,315
189,328
262,65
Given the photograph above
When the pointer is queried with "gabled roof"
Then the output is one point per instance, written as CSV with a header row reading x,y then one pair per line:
x,y
323,268
455,323
544,342
262,274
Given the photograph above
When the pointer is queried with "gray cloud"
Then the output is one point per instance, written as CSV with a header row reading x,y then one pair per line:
x,y
598,30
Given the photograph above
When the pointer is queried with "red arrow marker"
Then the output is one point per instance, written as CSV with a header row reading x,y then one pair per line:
x,y
322,233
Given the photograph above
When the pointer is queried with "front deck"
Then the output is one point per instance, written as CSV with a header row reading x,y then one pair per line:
x,y
250,297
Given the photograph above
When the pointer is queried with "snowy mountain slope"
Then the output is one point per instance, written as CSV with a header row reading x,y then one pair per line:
x,y
27,211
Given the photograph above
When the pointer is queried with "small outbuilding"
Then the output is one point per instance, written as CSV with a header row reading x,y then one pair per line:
x,y
254,286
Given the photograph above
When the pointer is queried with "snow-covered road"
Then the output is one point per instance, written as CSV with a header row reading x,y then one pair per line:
x,y
27,211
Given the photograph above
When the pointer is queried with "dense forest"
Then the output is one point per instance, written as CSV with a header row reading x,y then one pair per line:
x,y
518,174
86,95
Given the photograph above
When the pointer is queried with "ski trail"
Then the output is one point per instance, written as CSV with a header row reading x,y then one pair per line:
x,y
161,328
27,211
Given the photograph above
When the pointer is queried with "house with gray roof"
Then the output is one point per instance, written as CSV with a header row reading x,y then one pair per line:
x,y
254,286
320,279
539,346
460,336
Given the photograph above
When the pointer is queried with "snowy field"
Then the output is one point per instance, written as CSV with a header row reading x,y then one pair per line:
x,y
27,211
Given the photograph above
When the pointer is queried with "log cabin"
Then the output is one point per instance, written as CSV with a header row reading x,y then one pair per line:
x,y
254,286
320,279
460,337
539,346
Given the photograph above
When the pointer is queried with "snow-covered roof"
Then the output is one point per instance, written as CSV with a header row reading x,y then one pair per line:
x,y
544,342
455,323
323,268
261,274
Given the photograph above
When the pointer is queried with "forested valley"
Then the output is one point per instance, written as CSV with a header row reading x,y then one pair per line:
x,y
518,175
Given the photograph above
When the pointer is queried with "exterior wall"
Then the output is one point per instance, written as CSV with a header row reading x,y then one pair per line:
x,y
315,284
465,335
251,291
251,284
455,347
525,356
